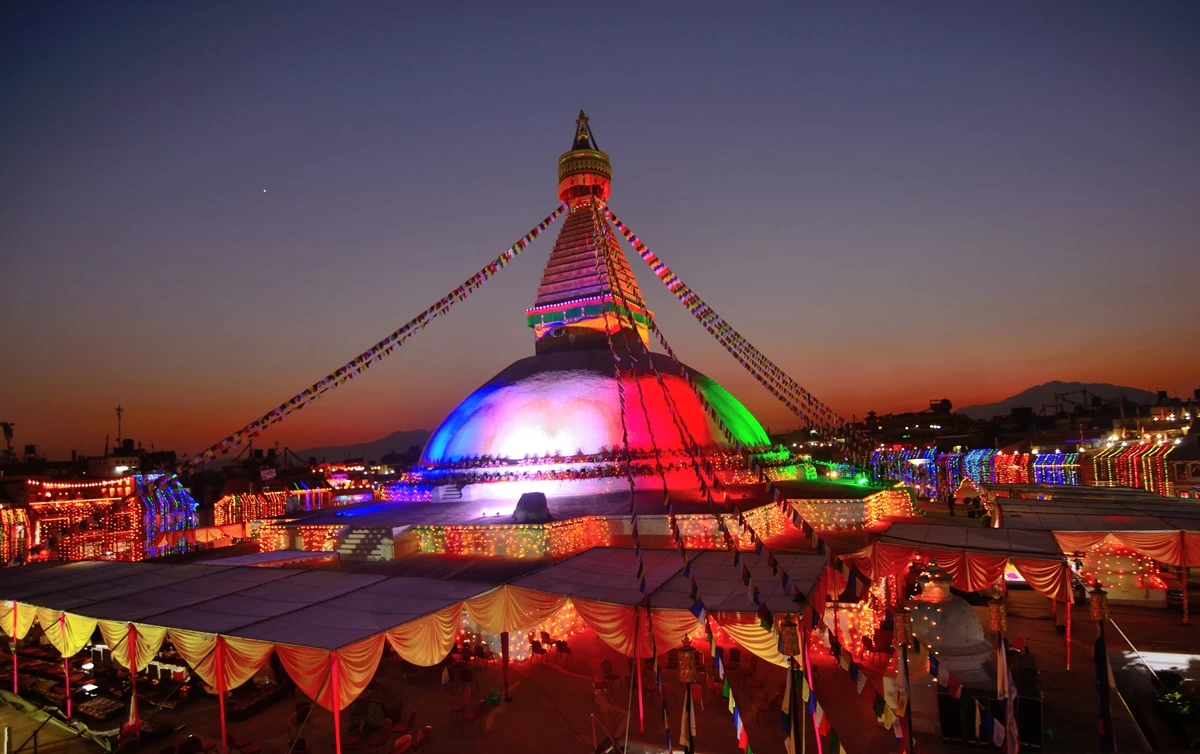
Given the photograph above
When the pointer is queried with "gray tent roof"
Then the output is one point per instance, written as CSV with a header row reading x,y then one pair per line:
x,y
329,609
1013,543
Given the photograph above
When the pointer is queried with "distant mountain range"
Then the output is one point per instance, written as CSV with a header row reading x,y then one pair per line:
x,y
397,442
1036,397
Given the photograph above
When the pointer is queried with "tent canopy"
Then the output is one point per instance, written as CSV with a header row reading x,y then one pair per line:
x,y
608,574
326,609
310,608
975,558
1073,514
1013,543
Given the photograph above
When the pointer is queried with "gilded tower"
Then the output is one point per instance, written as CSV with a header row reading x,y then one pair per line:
x,y
587,291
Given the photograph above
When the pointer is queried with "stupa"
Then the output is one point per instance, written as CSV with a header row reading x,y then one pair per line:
x,y
562,403
948,624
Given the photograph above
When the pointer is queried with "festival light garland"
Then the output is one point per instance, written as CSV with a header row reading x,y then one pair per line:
x,y
86,528
235,509
14,533
1116,565
1140,464
556,538
977,466
1056,468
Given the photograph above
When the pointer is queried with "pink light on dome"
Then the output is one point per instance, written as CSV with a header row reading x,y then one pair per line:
x,y
562,413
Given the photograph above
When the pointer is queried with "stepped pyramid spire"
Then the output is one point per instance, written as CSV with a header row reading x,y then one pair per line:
x,y
577,289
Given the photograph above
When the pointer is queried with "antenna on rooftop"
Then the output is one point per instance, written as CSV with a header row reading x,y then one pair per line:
x,y
119,411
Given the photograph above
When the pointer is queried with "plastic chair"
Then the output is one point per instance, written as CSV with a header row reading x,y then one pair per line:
x,y
409,726
403,744
377,744
424,737
536,650
546,638
477,712
243,745
458,708
606,672
561,648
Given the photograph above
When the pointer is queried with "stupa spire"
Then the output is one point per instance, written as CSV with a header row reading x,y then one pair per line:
x,y
587,275
583,134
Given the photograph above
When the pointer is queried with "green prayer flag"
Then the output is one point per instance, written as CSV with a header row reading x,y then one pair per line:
x,y
880,705
725,691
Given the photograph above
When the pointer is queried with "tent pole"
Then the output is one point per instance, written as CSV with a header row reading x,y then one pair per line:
x,y
337,704
1070,598
67,683
14,647
812,690
637,668
220,646
1183,574
131,640
62,627
504,662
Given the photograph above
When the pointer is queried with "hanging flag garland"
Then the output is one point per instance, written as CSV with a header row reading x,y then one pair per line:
x,y
363,361
777,382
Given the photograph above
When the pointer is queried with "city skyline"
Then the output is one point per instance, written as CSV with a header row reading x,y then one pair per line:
x,y
893,212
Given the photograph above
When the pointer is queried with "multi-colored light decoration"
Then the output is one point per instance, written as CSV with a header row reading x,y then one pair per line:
x,y
915,467
861,619
949,473
272,536
1141,464
14,531
1056,468
1010,468
873,512
95,520
977,466
515,540
249,506
1118,567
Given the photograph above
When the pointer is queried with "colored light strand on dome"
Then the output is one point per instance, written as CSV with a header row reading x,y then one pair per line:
x,y
373,354
977,466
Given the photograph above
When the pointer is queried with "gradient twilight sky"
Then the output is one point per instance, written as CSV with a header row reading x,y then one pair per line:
x,y
895,204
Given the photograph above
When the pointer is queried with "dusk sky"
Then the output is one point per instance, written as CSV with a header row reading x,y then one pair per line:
x,y
205,207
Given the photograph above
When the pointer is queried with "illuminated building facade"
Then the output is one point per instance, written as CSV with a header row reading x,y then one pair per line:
x,y
95,519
